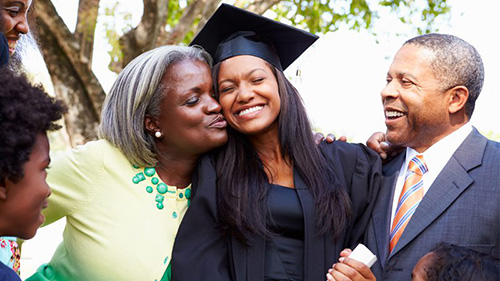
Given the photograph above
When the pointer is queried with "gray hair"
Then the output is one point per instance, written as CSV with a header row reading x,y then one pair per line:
x,y
138,92
456,63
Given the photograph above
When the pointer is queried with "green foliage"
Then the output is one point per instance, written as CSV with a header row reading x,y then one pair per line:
x,y
317,16
113,33
492,135
321,16
174,13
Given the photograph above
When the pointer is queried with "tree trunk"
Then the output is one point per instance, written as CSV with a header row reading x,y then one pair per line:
x,y
73,80
143,37
88,10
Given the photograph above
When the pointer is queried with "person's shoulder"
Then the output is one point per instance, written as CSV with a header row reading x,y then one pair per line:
x,y
339,147
99,151
7,274
96,146
348,151
478,144
494,145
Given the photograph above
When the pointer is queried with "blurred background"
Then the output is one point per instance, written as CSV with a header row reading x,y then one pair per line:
x,y
84,44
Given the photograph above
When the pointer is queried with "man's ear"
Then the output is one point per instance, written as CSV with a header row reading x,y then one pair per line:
x,y
151,124
3,190
458,98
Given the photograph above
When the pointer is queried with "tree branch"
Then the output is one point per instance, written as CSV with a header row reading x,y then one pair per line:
x,y
73,80
261,6
187,19
208,11
144,37
85,28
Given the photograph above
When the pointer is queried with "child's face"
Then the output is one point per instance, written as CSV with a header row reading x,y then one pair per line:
x,y
25,199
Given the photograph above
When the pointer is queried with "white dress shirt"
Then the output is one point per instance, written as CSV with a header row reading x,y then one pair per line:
x,y
435,158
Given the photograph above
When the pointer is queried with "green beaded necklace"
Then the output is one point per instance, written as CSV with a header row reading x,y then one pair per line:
x,y
162,188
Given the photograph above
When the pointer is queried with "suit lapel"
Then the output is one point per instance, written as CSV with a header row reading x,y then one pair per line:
x,y
447,187
382,212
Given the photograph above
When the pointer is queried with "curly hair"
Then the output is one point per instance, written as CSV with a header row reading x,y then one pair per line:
x,y
456,263
25,112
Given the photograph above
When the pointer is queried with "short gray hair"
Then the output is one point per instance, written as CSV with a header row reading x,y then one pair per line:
x,y
138,92
456,63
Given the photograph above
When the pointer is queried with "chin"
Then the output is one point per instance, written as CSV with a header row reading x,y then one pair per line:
x,y
216,143
28,234
395,138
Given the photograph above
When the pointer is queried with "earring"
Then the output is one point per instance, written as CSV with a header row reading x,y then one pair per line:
x,y
158,134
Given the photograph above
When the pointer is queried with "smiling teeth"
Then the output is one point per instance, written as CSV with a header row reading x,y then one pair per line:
x,y
391,114
250,110
12,43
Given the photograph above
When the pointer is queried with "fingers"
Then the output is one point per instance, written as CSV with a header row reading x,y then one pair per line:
x,y
393,150
345,253
349,269
384,145
330,138
343,272
343,138
318,137
360,268
375,142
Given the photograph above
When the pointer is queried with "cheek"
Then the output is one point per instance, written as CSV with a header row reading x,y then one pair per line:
x,y
226,105
225,102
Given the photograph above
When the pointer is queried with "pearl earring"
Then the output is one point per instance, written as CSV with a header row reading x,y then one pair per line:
x,y
158,134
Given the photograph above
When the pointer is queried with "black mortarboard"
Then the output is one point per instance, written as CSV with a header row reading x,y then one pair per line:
x,y
4,50
232,31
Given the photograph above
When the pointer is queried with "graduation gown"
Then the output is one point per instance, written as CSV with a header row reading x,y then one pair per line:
x,y
201,252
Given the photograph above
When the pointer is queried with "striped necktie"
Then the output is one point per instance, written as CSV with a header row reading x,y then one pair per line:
x,y
410,197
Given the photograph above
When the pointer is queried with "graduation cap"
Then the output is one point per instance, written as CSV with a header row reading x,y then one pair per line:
x,y
233,31
4,50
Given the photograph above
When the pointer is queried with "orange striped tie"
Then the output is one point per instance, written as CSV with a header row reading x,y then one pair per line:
x,y
410,197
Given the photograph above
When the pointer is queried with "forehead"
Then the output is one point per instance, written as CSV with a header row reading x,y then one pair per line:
x,y
243,62
23,3
179,69
40,151
412,59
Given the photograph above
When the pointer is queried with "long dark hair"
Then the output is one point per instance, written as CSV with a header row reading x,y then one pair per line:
x,y
242,183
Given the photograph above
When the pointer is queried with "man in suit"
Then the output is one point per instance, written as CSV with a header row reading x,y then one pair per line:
x,y
451,191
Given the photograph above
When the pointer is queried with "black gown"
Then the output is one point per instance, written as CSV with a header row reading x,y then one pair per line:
x,y
201,252
284,259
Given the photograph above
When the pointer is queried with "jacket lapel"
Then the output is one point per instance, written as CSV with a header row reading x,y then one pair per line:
x,y
382,212
248,261
449,184
314,268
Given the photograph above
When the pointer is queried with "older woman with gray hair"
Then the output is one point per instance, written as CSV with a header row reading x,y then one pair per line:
x,y
124,195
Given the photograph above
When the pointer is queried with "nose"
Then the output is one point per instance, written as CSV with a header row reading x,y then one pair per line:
x,y
245,94
22,26
213,106
389,91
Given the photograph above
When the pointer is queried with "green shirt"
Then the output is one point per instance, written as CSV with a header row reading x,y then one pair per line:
x,y
116,227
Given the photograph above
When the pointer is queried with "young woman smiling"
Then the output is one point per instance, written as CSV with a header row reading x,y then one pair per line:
x,y
279,207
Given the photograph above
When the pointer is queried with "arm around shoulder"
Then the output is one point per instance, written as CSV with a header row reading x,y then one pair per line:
x,y
361,169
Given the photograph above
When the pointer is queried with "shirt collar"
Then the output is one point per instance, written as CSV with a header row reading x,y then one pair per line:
x,y
438,154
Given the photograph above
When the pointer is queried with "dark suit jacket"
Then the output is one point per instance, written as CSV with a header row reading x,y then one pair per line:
x,y
201,252
461,207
